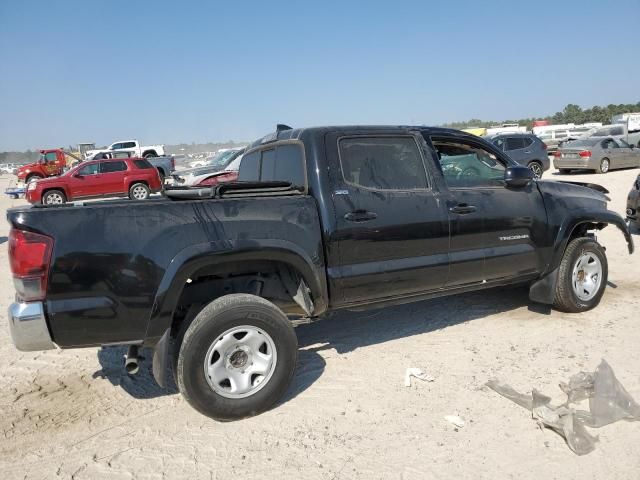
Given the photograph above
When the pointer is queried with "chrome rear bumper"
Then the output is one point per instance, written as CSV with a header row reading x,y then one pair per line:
x,y
28,327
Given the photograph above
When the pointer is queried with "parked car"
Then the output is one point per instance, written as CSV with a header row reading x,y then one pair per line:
x,y
525,148
620,132
165,164
132,146
10,168
633,203
52,162
219,159
598,154
224,169
135,177
321,219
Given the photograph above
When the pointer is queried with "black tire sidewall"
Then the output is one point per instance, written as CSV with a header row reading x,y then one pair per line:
x,y
586,245
211,322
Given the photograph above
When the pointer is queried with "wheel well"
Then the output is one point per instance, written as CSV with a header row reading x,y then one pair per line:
x,y
138,181
582,230
275,281
149,152
161,171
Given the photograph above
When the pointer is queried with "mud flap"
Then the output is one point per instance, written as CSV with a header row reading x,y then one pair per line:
x,y
160,358
544,290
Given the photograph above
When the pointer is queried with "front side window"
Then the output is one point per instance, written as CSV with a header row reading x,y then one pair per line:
x,y
110,167
90,169
514,143
116,146
382,163
465,165
50,157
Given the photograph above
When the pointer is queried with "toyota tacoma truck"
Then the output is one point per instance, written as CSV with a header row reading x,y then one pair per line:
x,y
320,219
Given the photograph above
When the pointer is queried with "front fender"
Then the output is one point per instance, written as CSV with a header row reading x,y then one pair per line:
x,y
195,257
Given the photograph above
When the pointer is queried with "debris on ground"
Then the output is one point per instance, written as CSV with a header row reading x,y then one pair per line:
x,y
608,403
455,420
417,373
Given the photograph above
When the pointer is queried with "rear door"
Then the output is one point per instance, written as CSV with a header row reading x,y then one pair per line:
x,y
496,232
614,153
627,153
113,173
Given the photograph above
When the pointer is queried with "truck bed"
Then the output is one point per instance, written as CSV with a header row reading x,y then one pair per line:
x,y
112,261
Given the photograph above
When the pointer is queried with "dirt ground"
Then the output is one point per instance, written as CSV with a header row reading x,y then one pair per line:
x,y
347,415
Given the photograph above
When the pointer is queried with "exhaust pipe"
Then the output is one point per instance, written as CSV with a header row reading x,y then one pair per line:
x,y
131,360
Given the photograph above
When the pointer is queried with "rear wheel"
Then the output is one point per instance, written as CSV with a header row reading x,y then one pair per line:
x,y
536,168
139,191
582,276
54,197
605,164
237,357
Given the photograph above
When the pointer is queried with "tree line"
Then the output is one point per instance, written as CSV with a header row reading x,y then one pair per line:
x,y
570,114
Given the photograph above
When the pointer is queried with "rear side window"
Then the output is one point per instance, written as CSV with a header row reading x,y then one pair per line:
x,y
527,142
110,167
142,164
283,163
514,143
128,145
382,163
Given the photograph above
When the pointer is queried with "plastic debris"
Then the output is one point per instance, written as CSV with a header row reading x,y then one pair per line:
x,y
417,373
455,420
608,403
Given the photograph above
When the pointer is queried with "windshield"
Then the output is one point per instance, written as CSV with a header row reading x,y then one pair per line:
x,y
221,159
587,142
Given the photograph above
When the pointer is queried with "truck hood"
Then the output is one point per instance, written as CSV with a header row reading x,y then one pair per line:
x,y
24,169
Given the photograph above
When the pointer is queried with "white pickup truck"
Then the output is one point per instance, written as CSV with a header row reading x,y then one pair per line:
x,y
132,146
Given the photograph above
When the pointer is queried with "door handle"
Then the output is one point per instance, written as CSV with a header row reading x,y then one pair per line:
x,y
462,209
527,151
360,216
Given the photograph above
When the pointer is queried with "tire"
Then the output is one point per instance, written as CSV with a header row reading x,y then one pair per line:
x,y
567,298
139,191
536,168
605,166
33,177
54,197
564,171
213,395
150,155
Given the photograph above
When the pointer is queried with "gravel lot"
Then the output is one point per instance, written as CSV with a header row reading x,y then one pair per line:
x,y
348,415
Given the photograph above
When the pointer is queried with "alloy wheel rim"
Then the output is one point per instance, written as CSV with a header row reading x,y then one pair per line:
x,y
240,362
536,169
605,166
586,276
54,199
140,193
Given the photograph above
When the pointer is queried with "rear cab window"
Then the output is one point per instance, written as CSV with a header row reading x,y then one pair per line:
x,y
281,162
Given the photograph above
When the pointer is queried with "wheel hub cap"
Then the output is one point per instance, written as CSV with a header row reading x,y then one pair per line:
x,y
240,362
587,276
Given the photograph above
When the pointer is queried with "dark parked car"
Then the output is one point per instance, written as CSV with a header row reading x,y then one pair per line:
x,y
524,148
633,203
322,219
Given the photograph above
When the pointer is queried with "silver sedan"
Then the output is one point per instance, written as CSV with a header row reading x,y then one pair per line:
x,y
596,153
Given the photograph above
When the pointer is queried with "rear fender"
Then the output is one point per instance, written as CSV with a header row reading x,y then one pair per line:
x,y
196,257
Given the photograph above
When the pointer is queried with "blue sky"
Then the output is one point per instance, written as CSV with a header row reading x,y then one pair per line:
x,y
183,71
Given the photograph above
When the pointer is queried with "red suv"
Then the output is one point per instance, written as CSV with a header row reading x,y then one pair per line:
x,y
134,177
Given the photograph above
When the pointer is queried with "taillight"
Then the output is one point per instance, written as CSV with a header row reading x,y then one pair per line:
x,y
224,178
585,154
29,257
544,146
557,154
173,164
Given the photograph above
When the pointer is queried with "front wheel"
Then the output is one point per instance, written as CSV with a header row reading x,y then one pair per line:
x,y
582,276
139,191
54,197
237,357
536,168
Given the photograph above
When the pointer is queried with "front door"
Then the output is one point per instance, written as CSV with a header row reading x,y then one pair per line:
x,y
391,233
85,181
495,230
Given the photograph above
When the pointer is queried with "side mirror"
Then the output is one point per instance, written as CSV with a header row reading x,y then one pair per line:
x,y
77,175
517,176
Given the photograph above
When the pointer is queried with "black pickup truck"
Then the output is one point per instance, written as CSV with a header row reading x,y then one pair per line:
x,y
320,219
